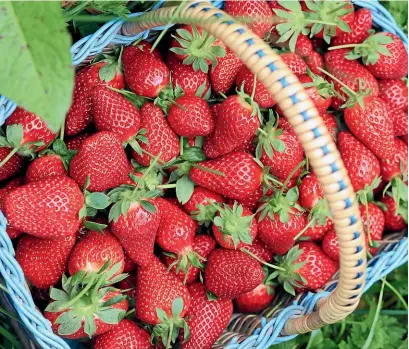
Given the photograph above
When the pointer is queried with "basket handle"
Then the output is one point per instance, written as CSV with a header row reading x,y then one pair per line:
x,y
318,145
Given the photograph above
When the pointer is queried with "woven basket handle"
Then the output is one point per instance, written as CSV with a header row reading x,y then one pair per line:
x,y
308,125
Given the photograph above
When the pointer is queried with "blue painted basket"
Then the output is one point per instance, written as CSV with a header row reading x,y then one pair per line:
x,y
38,329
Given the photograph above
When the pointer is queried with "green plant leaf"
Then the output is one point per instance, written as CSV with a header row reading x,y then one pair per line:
x,y
98,201
184,189
35,44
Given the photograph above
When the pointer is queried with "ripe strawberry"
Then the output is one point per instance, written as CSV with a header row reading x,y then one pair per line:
x,y
393,218
397,164
240,175
310,191
191,82
207,318
104,311
305,266
144,74
75,142
359,29
158,289
245,79
129,264
12,166
371,125
12,232
43,261
351,73
280,220
127,334
319,90
230,273
330,245
128,285
394,92
234,226
27,133
260,250
315,62
203,245
224,74
399,119
331,124
48,208
135,226
107,72
258,299
295,63
191,117
199,206
143,46
317,230
236,121
93,250
161,138
373,222
251,201
361,164
303,45
113,112
45,166
102,158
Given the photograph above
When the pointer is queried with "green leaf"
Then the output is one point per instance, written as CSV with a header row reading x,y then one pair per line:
x,y
184,189
70,327
89,325
35,42
58,295
161,314
111,316
98,201
148,206
94,226
177,307
14,134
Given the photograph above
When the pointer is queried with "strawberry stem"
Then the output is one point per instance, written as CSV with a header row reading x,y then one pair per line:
x,y
260,260
336,9
310,223
168,344
206,38
79,295
200,167
62,131
343,46
262,131
301,164
166,186
8,157
320,22
338,81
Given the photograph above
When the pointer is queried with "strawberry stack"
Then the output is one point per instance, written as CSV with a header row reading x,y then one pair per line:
x,y
177,190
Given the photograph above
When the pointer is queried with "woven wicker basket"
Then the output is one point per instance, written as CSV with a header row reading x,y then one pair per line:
x,y
290,316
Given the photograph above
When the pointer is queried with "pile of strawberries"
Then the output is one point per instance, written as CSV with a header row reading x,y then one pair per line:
x,y
178,191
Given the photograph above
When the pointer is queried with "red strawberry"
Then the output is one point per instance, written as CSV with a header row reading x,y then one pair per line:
x,y
331,124
12,232
315,62
236,121
303,45
310,191
136,227
191,117
399,120
102,73
251,202
93,250
75,142
394,92
12,166
45,166
295,63
48,208
143,46
127,334
319,90
371,125
34,130
397,164
128,285
330,245
351,73
245,79
161,138
239,175
359,29
258,299
393,219
158,289
373,222
144,74
184,76
234,226
129,264
255,8
260,250
207,318
224,74
280,221
43,261
203,245
362,165
113,112
83,315
230,273
199,206
102,158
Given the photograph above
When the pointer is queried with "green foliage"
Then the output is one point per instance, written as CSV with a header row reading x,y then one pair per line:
x,y
399,10
36,70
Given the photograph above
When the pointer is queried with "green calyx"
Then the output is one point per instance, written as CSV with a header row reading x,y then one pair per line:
x,y
371,49
398,190
167,96
366,195
269,137
81,300
282,204
59,148
135,141
325,88
168,328
288,275
199,49
114,64
136,100
250,101
269,281
150,179
204,214
232,223
184,261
